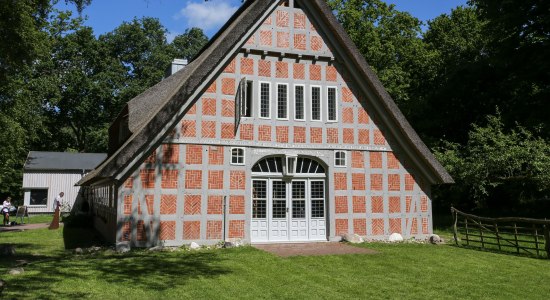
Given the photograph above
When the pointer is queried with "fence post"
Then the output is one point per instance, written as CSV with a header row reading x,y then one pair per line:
x,y
455,217
467,232
498,236
536,238
547,240
516,236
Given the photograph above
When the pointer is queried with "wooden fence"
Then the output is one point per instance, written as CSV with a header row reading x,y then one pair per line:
x,y
518,235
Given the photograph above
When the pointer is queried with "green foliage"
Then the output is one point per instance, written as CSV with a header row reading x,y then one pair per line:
x,y
389,39
499,166
188,44
61,87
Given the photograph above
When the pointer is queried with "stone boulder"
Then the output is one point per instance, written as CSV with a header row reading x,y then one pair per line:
x,y
194,246
395,237
353,238
435,239
16,271
123,247
157,249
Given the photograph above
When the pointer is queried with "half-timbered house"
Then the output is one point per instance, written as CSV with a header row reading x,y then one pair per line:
x,y
277,131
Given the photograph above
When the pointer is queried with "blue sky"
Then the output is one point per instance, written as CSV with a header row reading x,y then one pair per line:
x,y
178,15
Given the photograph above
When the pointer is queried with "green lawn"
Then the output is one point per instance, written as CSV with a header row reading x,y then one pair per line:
x,y
399,271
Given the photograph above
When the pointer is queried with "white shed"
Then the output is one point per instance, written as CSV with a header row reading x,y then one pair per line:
x,y
46,174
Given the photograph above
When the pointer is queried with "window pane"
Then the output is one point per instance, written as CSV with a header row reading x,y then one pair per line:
x,y
259,201
317,208
316,103
331,104
279,199
39,197
318,199
317,190
237,156
298,199
299,102
340,158
247,107
264,100
282,101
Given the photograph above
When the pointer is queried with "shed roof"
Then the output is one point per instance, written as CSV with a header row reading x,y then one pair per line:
x,y
152,112
37,160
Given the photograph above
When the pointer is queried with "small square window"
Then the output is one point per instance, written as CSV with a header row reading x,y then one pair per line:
x,y
340,158
237,156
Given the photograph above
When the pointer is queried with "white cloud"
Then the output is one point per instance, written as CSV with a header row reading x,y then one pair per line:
x,y
206,14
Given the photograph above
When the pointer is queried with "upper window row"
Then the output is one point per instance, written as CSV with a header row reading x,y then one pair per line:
x,y
302,99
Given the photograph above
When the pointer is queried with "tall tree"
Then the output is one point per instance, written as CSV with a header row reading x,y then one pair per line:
x,y
141,48
188,44
519,32
390,41
454,93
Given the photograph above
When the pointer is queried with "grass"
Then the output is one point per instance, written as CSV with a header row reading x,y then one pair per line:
x,y
42,218
399,271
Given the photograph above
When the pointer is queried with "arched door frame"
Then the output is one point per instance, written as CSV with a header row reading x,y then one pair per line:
x,y
288,207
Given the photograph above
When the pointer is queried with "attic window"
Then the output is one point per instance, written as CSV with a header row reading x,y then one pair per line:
x,y
246,109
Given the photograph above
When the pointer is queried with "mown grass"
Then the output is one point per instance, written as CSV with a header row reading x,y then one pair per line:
x,y
398,271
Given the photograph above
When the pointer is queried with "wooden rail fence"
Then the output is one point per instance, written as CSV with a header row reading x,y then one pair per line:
x,y
518,235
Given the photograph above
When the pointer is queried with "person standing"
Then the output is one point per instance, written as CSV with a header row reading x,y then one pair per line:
x,y
58,201
6,205
56,207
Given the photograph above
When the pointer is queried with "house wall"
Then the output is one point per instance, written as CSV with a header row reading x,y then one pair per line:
x,y
176,196
103,207
55,182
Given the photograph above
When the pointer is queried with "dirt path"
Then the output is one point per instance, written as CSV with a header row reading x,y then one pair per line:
x,y
312,249
22,227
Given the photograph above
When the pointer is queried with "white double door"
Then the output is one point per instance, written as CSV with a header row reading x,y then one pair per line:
x,y
288,210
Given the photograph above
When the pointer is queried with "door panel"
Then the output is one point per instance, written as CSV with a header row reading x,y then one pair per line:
x,y
317,230
288,210
298,223
278,230
259,225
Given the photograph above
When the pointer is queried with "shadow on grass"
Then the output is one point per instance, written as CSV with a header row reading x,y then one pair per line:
x,y
52,278
504,252
81,237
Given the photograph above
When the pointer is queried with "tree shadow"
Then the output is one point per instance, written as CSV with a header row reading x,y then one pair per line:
x,y
141,270
81,237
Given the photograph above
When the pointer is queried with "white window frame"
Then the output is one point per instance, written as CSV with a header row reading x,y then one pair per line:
x,y
320,103
27,197
287,101
290,165
303,101
260,100
336,159
335,104
244,156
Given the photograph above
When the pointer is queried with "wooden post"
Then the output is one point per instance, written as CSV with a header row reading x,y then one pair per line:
x,y
516,237
547,240
536,238
481,234
467,237
498,236
455,229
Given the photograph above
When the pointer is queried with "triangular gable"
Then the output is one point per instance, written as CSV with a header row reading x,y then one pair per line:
x,y
243,28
